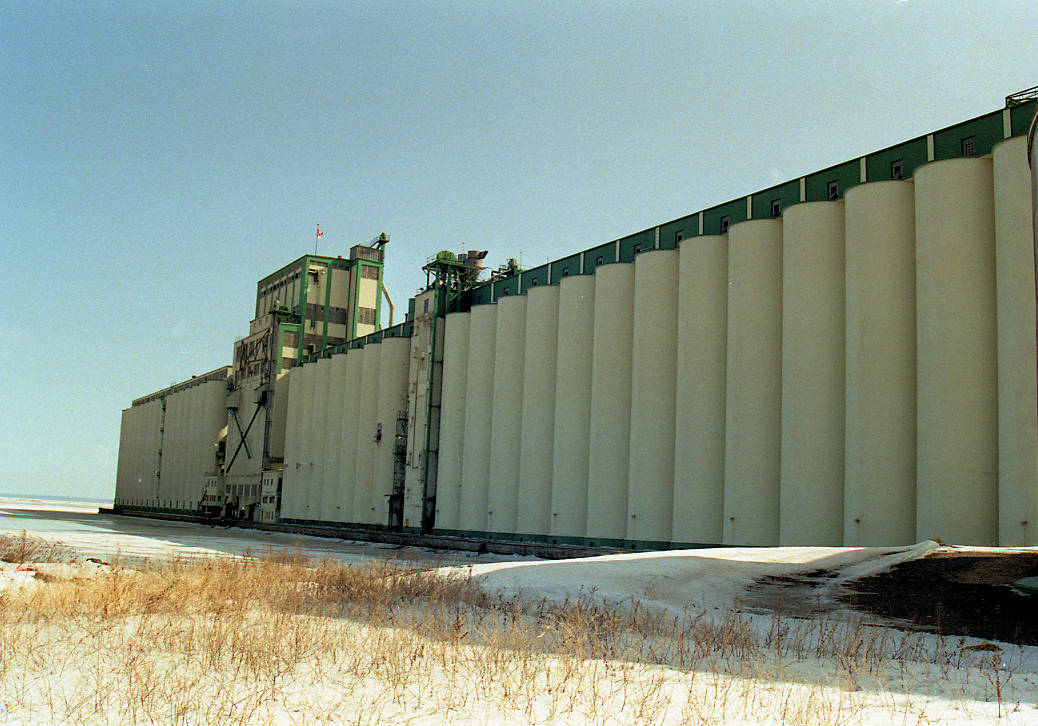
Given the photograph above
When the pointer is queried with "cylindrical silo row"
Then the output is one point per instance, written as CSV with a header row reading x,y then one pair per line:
x,y
507,417
452,420
702,346
653,390
537,445
479,401
813,385
753,409
956,332
569,501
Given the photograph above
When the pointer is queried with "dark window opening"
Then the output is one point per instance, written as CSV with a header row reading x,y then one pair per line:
x,y
969,146
565,272
599,260
833,190
776,208
724,224
679,235
897,169
637,249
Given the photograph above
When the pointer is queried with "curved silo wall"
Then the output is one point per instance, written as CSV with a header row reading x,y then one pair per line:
x,y
610,438
366,431
506,428
123,482
331,504
351,412
653,391
214,395
290,489
304,481
573,406
318,439
538,410
700,396
479,402
753,408
392,403
957,351
175,429
452,420
1017,412
813,375
880,451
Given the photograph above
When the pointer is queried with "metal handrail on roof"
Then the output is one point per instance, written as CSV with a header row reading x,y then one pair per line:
x,y
1021,97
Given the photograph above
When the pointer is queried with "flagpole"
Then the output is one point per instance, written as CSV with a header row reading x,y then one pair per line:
x,y
318,237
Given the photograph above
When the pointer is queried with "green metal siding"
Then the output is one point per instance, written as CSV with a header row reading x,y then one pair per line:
x,y
671,233
570,265
912,154
607,252
847,174
481,295
534,277
642,240
1020,117
787,194
735,210
988,131
507,286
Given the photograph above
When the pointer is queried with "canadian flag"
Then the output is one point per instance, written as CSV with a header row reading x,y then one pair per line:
x,y
319,233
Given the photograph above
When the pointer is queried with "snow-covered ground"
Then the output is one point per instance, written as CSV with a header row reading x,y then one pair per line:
x,y
834,668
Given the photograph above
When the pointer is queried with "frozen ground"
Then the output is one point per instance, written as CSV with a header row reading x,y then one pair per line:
x,y
798,677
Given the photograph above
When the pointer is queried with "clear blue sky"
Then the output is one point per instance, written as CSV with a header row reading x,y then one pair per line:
x,y
157,159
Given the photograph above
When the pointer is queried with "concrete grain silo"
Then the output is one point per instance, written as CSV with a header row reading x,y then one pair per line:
x,y
813,375
753,410
610,443
479,410
537,449
956,333
702,353
880,453
351,412
452,420
367,429
506,411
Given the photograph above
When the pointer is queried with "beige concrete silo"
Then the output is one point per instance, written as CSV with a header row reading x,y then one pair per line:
x,y
452,420
479,408
813,375
537,448
753,409
700,396
880,452
573,406
610,444
650,505
319,440
293,440
366,431
392,404
957,476
306,441
506,428
1017,412
351,412
331,506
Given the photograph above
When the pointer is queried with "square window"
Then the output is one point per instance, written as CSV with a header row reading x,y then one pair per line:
x,y
724,224
679,235
565,272
833,189
637,249
776,208
599,260
897,169
969,146
533,282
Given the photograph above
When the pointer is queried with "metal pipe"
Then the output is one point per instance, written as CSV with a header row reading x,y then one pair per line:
x,y
389,300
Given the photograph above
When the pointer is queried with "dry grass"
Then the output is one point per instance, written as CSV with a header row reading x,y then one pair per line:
x,y
285,639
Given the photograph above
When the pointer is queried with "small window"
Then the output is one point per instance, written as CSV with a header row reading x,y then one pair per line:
x,y
833,190
776,208
565,272
679,235
533,282
425,305
897,169
599,260
506,289
637,248
969,146
724,224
